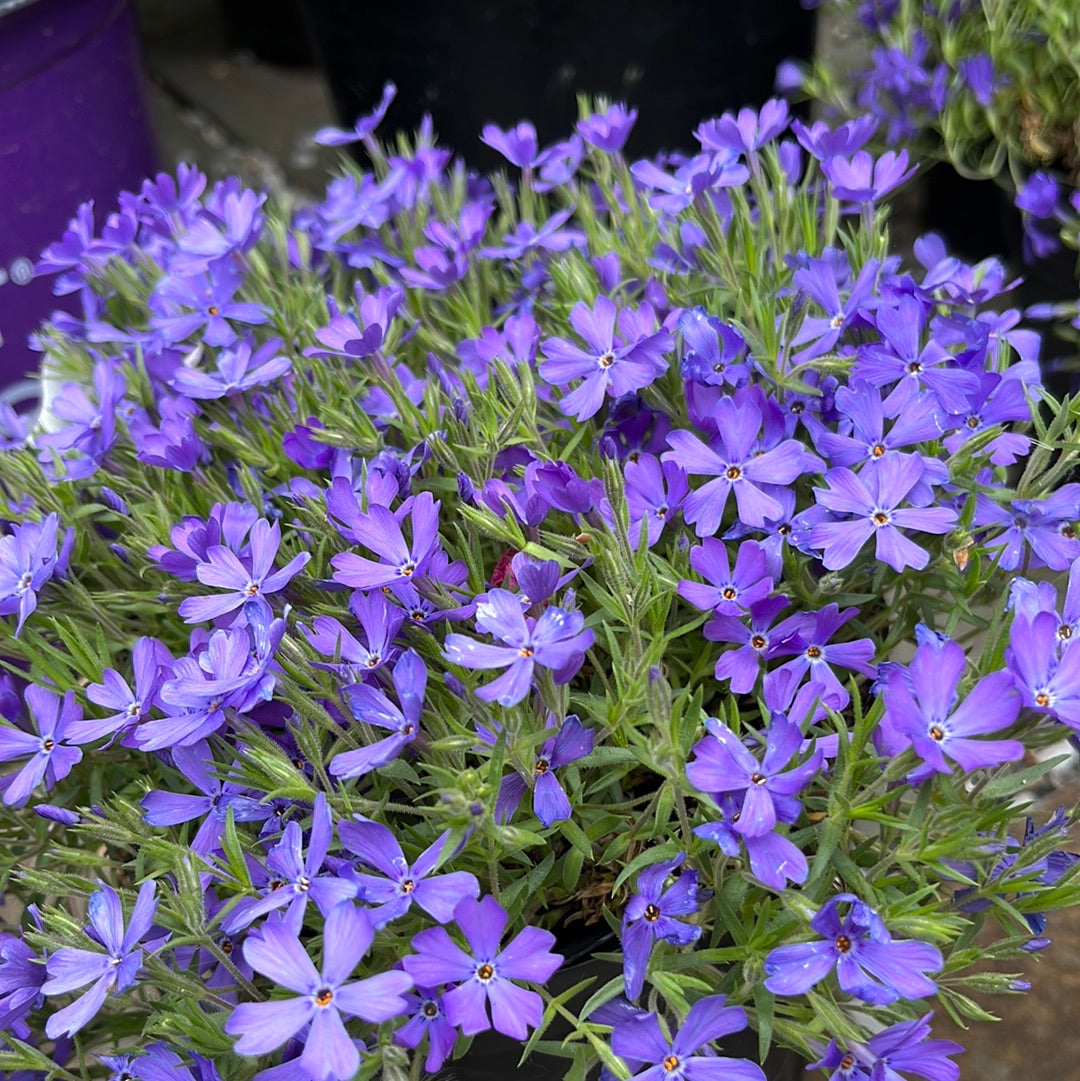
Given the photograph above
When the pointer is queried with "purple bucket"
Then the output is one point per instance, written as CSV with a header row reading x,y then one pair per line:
x,y
73,126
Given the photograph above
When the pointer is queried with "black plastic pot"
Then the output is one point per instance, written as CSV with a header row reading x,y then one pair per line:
x,y
471,63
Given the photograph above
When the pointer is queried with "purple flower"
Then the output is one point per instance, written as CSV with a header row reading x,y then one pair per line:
x,y
572,742
1037,531
320,997
861,179
648,918
640,1042
248,582
364,126
114,970
381,621
551,236
50,756
714,353
29,559
21,977
518,144
746,132
228,524
608,131
150,661
380,531
872,504
774,860
401,883
869,963
209,296
731,590
654,494
296,877
901,1047
556,640
735,466
238,369
921,704
821,141
174,444
757,641
371,706
428,1017
485,976
1047,677
607,367
723,764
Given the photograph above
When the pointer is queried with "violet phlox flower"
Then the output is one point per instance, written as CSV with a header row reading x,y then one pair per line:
x,y
610,366
218,797
864,179
362,336
1037,532
871,500
515,344
232,228
227,524
747,131
769,787
249,581
821,142
814,653
296,876
517,144
28,559
999,399
379,530
320,998
704,172
714,353
400,883
735,467
174,444
819,280
151,662
557,640
49,753
228,674
87,427
870,964
609,130
113,970
572,742
372,706
364,126
756,638
427,1017
380,622
202,305
922,705
649,917
655,492
774,860
903,1048
1046,676
550,236
484,977
238,368
731,590
641,1044
21,976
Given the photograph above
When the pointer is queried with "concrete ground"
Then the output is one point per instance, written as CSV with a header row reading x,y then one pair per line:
x,y
234,114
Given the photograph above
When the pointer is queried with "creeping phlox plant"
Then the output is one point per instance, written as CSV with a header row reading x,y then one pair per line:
x,y
409,596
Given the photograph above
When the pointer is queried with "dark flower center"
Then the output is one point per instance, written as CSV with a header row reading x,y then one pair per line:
x,y
798,408
408,569
227,947
719,367
25,580
843,944
877,450
1068,532
418,615
652,913
373,660
1064,631
408,886
1042,699
661,512
758,641
914,368
671,1063
47,745
881,518
303,883
813,652
606,360
485,972
758,778
323,997
251,589
847,1062
214,309
276,885
526,651
429,1009
729,593
837,321
542,766
134,709
783,529
972,422
937,733
733,472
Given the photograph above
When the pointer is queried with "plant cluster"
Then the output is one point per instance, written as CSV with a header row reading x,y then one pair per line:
x,y
408,595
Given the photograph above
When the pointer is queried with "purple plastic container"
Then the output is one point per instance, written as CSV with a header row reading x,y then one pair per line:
x,y
73,126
